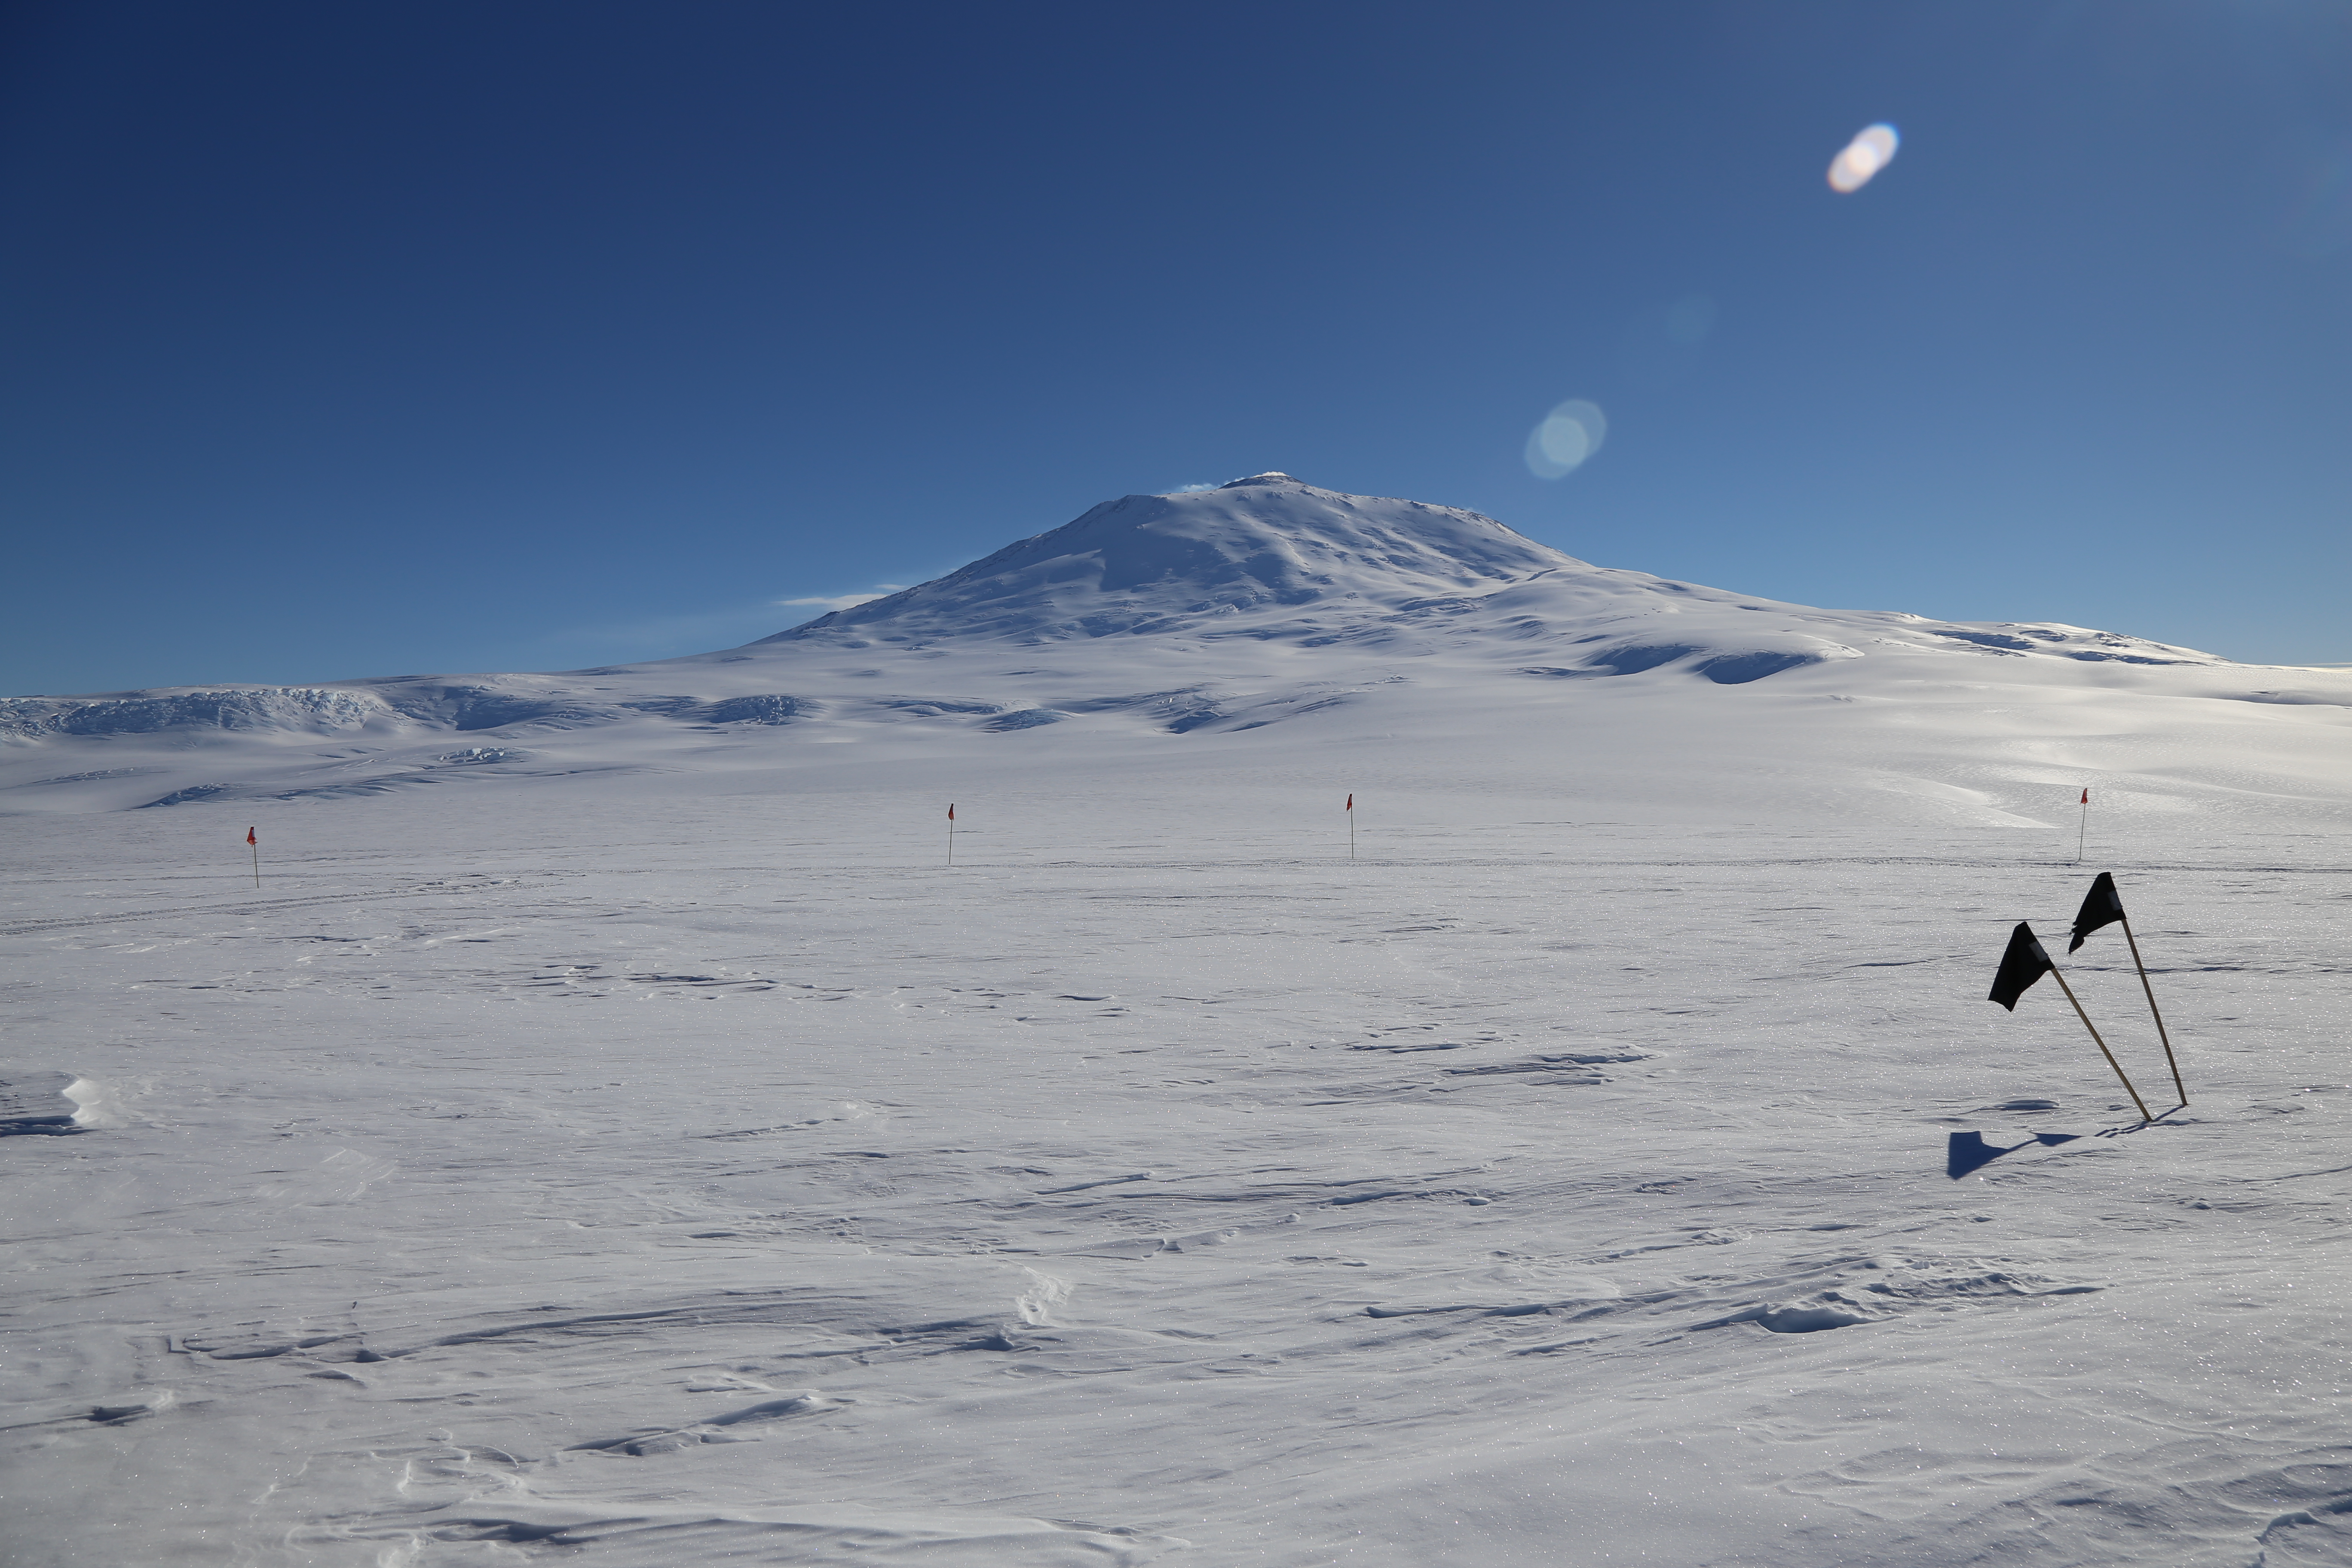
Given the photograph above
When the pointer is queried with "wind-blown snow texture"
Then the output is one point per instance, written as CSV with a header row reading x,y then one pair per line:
x,y
610,1134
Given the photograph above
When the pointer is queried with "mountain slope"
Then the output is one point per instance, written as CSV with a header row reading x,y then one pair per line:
x,y
1270,558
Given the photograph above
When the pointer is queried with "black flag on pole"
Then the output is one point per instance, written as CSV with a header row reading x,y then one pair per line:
x,y
2101,905
2020,966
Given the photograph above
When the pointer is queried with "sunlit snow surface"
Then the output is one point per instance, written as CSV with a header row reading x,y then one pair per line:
x,y
613,1136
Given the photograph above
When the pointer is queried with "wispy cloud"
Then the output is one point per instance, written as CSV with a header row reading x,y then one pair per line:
x,y
664,637
844,601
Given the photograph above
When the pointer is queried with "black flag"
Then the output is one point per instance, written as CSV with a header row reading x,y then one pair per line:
x,y
2020,966
2101,905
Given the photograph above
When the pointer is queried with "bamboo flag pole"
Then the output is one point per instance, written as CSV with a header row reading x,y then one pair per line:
x,y
2054,974
2083,831
2168,1058
1352,824
255,841
2104,906
951,833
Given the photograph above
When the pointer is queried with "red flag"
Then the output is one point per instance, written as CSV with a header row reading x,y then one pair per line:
x,y
951,811
250,838
1352,801
2086,796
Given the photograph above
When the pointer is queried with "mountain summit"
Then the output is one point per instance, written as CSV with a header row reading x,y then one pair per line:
x,y
1179,563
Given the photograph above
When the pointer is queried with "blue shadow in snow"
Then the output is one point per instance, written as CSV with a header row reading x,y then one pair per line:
x,y
1970,1151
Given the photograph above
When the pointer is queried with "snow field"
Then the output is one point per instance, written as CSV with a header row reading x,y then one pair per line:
x,y
683,1169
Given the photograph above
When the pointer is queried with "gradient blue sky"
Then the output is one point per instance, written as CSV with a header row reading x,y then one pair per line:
x,y
355,338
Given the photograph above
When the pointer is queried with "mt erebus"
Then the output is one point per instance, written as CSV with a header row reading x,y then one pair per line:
x,y
1270,605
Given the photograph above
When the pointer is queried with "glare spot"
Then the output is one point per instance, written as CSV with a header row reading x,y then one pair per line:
x,y
1863,157
1689,320
1568,434
1661,345
2323,224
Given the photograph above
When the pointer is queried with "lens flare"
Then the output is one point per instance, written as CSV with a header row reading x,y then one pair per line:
x,y
1863,157
1568,434
1690,319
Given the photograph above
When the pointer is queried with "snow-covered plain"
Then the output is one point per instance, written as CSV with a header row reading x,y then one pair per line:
x,y
610,1133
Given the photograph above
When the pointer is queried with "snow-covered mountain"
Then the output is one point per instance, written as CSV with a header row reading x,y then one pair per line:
x,y
1272,560
1266,602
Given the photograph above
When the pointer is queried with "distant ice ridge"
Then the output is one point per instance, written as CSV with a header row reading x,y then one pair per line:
x,y
313,708
400,703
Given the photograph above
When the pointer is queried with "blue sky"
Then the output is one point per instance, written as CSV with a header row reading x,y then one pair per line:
x,y
377,338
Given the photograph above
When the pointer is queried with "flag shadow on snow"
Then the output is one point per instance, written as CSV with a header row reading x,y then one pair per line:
x,y
1970,1151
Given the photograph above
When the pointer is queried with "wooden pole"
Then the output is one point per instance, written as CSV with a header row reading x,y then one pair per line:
x,y
2084,830
1351,827
2144,1115
255,845
2168,1058
952,836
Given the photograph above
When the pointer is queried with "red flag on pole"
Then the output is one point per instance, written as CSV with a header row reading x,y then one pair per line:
x,y
1352,802
2086,796
951,811
250,838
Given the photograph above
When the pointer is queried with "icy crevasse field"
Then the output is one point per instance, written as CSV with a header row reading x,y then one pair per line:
x,y
646,1152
